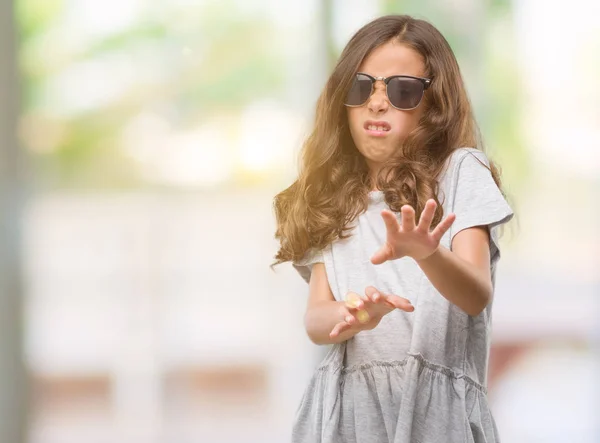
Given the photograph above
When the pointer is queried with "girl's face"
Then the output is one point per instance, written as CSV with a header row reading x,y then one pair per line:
x,y
367,120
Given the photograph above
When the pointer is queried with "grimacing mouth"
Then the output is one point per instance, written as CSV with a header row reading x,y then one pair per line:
x,y
378,125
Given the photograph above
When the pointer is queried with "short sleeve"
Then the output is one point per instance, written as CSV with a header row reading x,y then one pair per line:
x,y
477,199
304,265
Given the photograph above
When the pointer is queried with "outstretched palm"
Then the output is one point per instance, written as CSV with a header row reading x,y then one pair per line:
x,y
408,239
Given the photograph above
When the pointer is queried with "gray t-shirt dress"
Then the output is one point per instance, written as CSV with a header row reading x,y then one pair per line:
x,y
418,376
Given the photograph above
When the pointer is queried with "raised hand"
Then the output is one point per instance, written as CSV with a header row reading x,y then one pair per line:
x,y
408,240
364,313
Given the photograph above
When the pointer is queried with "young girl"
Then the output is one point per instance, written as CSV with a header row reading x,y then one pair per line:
x,y
393,222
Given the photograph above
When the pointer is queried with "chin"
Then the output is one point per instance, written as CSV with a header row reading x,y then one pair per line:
x,y
377,157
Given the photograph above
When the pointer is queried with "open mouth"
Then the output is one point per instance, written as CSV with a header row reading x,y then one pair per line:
x,y
377,127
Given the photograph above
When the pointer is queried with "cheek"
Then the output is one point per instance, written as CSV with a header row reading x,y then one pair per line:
x,y
354,122
406,121
353,117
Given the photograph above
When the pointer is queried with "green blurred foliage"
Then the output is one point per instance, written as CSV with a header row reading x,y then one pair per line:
x,y
211,59
34,15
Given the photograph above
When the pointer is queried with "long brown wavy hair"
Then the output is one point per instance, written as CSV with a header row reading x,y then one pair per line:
x,y
333,182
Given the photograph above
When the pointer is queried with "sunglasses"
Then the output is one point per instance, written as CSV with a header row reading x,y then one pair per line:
x,y
404,92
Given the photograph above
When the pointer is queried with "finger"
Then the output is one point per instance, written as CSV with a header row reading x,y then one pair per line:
x,y
374,295
339,328
400,303
408,218
391,222
350,319
370,291
427,216
443,227
354,301
384,254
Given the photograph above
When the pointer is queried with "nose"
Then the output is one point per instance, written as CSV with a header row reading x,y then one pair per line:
x,y
378,102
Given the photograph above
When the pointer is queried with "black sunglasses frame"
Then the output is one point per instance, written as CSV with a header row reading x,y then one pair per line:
x,y
426,83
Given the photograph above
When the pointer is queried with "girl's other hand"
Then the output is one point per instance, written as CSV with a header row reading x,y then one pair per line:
x,y
364,313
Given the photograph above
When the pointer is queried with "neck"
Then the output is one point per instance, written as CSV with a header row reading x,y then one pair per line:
x,y
373,175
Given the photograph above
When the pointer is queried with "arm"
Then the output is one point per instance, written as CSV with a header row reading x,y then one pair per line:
x,y
323,312
328,321
463,275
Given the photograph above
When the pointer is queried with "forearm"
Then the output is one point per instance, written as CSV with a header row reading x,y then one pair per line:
x,y
321,319
457,280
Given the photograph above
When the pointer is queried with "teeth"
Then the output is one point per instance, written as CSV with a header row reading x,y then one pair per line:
x,y
376,128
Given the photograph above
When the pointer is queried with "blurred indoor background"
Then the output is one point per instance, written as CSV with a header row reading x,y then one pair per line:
x,y
141,145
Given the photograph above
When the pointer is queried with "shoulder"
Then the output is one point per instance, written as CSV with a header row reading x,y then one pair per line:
x,y
469,166
468,155
464,162
455,159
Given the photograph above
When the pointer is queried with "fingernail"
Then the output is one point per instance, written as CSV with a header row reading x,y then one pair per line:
x,y
348,319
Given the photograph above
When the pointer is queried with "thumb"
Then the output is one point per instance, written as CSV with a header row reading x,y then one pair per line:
x,y
382,255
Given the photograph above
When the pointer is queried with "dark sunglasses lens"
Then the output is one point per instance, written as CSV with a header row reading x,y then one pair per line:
x,y
360,90
405,93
